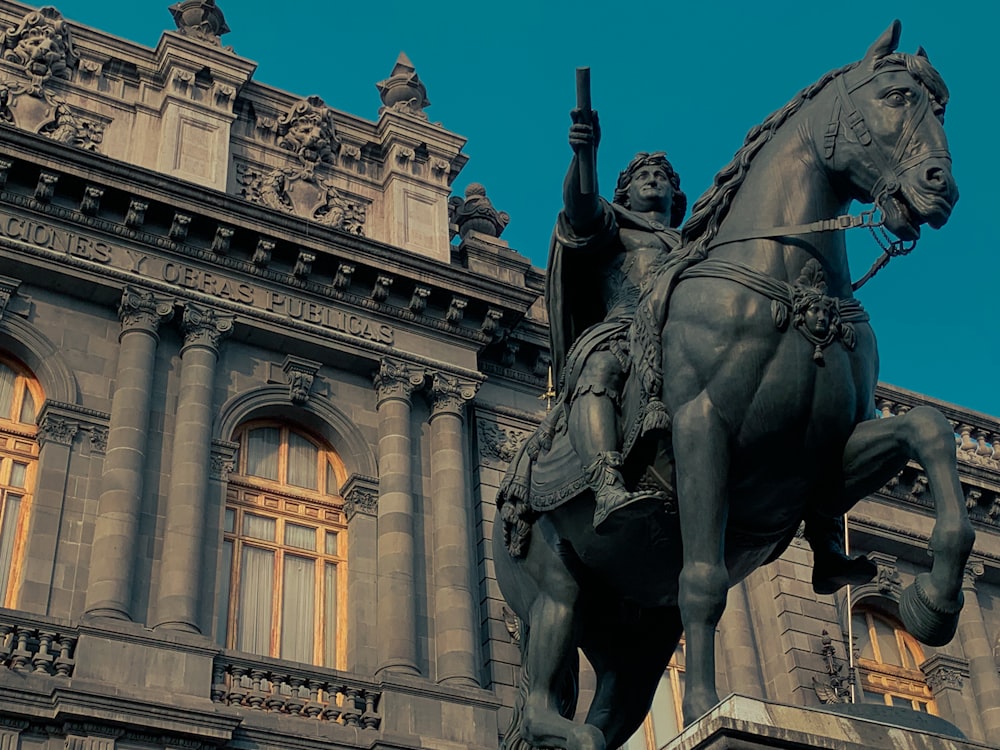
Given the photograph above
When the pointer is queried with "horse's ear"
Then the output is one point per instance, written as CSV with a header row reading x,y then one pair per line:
x,y
885,44
921,52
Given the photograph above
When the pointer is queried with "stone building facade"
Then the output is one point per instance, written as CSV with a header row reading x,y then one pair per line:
x,y
260,376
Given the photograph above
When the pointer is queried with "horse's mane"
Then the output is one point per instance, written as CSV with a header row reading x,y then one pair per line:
x,y
710,209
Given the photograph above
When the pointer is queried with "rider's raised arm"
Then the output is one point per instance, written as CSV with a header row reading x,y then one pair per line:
x,y
583,210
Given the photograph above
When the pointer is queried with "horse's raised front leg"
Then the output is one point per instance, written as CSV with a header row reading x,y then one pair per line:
x,y
701,451
875,452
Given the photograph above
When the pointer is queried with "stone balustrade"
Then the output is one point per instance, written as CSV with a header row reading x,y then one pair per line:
x,y
39,649
295,690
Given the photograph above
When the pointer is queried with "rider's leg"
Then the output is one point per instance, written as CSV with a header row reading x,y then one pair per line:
x,y
832,568
595,435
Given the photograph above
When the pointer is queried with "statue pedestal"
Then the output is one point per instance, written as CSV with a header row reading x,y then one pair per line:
x,y
740,723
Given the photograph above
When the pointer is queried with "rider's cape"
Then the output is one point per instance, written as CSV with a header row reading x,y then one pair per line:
x,y
546,472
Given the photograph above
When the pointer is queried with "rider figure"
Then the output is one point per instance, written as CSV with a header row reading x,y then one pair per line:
x,y
602,253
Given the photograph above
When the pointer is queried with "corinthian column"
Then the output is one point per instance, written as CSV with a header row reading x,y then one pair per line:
x,y
112,562
397,618
454,605
183,538
976,646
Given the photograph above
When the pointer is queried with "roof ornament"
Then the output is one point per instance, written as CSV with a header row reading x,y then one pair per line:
x,y
403,91
201,20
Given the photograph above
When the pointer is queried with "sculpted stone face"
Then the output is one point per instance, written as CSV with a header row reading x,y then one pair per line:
x,y
818,317
650,189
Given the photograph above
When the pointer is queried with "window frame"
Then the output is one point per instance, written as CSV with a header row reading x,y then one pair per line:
x,y
877,677
320,509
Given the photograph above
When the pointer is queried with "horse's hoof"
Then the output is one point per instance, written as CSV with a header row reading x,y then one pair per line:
x,y
932,623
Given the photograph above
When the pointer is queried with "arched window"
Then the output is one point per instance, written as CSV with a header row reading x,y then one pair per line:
x,y
20,396
664,720
284,547
889,662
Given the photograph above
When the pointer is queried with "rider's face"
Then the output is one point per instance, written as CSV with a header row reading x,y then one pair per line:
x,y
650,189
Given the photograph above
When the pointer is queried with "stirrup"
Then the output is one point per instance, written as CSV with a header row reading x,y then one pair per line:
x,y
610,495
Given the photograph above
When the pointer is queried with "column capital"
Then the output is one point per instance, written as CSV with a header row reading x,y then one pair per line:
x,y
397,380
360,496
449,394
57,429
973,569
223,459
945,672
143,311
205,327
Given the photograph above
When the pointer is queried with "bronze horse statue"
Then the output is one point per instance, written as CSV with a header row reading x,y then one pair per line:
x,y
751,341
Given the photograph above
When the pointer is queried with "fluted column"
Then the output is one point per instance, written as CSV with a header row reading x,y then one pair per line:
x,y
976,645
112,562
454,605
397,617
183,537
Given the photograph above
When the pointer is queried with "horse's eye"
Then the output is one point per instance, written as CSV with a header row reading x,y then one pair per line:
x,y
896,98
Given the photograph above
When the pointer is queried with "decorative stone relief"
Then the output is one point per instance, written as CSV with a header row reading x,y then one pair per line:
x,y
403,90
300,374
491,323
223,459
91,201
475,213
343,278
262,253
201,20
99,439
46,186
136,215
220,242
8,288
360,496
418,302
456,310
57,430
41,42
513,624
307,130
945,672
836,688
500,443
303,264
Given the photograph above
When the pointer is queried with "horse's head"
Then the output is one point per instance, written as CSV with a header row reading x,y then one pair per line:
x,y
886,136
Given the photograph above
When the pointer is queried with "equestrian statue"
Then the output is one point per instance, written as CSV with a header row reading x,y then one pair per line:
x,y
716,391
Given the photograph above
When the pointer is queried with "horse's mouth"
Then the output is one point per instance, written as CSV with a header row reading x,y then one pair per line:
x,y
898,219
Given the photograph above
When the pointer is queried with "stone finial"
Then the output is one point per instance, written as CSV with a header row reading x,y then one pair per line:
x,y
475,213
42,43
403,90
201,20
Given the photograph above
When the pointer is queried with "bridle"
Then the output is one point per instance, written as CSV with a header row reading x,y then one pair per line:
x,y
891,168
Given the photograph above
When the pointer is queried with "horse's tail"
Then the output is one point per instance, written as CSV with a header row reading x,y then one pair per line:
x,y
567,695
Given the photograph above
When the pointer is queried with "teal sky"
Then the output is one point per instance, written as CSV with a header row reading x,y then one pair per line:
x,y
688,78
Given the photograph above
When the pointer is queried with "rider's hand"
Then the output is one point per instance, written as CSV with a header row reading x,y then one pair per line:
x,y
585,130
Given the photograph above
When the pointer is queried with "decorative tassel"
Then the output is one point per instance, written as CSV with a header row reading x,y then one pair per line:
x,y
656,417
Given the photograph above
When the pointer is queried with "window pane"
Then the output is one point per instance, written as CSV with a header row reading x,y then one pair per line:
x,y
330,615
664,713
887,645
262,452
638,740
229,524
331,480
7,377
259,527
861,636
303,537
224,584
18,474
298,609
27,408
12,507
331,543
256,597
302,459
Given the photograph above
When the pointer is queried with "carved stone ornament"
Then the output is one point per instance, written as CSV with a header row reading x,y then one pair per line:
x,y
475,213
201,20
307,130
945,672
39,111
448,394
499,442
205,327
403,90
836,688
301,373
143,310
99,439
42,43
360,496
397,380
57,430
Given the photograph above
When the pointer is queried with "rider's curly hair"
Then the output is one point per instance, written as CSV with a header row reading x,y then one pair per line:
x,y
678,205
